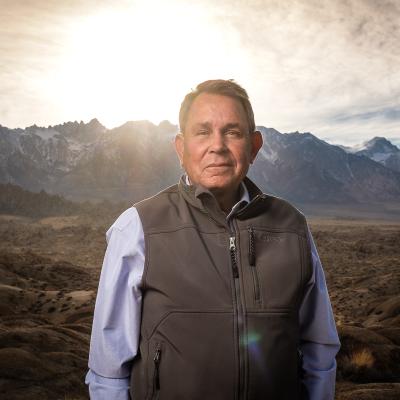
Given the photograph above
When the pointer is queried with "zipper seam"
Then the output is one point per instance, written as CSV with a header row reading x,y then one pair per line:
x,y
235,275
240,324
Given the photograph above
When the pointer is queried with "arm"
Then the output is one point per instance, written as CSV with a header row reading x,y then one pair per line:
x,y
116,320
319,339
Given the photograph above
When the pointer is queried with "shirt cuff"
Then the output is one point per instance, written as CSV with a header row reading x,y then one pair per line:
x,y
320,384
101,388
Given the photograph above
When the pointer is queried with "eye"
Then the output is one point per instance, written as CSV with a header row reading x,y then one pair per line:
x,y
202,132
234,132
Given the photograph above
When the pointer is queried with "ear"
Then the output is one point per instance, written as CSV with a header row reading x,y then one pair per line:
x,y
256,144
179,147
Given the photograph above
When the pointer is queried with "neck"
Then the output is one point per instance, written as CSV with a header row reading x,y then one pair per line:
x,y
227,200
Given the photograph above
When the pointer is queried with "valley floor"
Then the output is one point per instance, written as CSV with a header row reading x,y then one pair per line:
x,y
49,271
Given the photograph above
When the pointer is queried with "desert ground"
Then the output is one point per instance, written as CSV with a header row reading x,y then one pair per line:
x,y
49,270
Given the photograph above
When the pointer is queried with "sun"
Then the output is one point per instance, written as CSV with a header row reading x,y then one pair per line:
x,y
139,61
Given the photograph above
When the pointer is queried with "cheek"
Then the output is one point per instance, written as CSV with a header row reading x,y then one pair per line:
x,y
243,156
193,151
192,156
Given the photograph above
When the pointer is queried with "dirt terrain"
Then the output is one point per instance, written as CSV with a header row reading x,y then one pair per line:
x,y
361,260
49,270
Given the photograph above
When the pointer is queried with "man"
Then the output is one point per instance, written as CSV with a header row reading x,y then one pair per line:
x,y
211,289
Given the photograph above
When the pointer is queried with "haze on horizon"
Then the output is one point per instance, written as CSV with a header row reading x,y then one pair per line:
x,y
327,67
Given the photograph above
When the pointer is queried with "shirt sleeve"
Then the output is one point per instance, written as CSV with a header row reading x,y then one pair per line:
x,y
116,320
319,341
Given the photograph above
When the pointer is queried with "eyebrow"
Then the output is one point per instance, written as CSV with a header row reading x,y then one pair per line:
x,y
203,125
231,126
224,128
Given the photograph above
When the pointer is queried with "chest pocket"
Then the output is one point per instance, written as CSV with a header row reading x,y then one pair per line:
x,y
276,263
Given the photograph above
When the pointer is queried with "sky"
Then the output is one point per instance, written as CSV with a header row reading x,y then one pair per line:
x,y
327,67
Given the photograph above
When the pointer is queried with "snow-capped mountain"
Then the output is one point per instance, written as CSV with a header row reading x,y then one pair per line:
x,y
39,156
380,150
303,168
89,162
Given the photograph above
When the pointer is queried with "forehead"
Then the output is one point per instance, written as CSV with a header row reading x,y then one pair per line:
x,y
215,108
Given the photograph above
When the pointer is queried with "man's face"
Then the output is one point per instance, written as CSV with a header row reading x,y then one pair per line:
x,y
216,148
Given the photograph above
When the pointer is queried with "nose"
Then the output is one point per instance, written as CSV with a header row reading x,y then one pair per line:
x,y
217,143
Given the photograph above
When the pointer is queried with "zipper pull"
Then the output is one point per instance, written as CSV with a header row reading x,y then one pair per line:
x,y
232,249
232,245
157,358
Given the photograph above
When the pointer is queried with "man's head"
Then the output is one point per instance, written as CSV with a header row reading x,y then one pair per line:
x,y
217,140
221,87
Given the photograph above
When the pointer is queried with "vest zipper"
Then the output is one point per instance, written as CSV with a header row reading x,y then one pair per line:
x,y
156,374
252,262
239,317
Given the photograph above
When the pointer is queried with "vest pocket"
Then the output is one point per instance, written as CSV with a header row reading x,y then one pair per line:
x,y
196,357
156,370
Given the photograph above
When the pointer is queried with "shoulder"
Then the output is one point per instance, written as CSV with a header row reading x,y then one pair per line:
x,y
279,202
281,212
158,199
276,207
160,209
128,217
128,224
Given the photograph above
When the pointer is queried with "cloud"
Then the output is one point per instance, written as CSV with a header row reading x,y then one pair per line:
x,y
316,61
329,67
390,113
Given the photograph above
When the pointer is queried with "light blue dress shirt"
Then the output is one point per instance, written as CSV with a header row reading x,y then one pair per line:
x,y
116,322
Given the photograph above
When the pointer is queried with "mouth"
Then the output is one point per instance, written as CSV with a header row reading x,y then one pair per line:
x,y
218,165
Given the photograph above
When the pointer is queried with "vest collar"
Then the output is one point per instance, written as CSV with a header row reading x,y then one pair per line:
x,y
200,197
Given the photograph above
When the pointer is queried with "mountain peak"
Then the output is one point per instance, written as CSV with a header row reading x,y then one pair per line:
x,y
95,122
165,124
380,144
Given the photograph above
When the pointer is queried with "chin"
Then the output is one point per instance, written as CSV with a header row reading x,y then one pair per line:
x,y
218,185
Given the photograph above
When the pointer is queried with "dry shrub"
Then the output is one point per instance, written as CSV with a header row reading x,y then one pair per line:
x,y
362,358
367,356
358,365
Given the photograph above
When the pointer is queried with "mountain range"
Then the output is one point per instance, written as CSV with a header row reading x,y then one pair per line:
x,y
306,169
378,149
86,161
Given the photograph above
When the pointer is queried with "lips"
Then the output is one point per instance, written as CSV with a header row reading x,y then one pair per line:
x,y
219,165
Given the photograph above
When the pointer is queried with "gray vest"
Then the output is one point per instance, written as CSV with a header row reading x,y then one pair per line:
x,y
220,311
